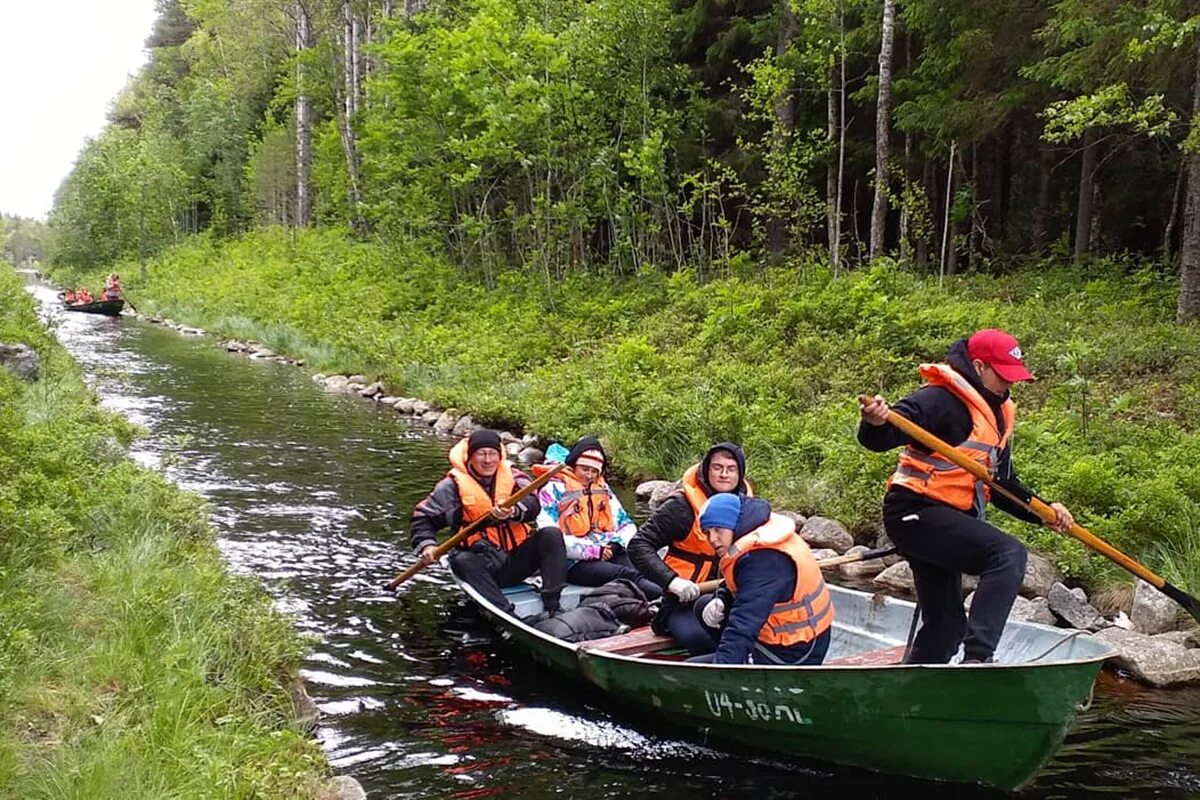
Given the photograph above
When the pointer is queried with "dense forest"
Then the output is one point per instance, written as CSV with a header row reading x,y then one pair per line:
x,y
611,135
671,222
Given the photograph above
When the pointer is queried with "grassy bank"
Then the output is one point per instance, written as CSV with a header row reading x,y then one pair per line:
x,y
131,664
661,366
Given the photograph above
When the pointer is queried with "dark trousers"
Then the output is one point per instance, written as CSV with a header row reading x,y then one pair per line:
x,y
598,573
685,626
801,655
487,567
941,543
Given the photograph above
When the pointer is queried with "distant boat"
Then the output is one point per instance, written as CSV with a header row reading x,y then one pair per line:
x,y
109,308
991,724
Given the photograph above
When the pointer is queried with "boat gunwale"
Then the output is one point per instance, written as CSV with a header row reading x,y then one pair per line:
x,y
582,651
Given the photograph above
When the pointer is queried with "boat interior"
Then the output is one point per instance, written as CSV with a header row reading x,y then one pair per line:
x,y
869,630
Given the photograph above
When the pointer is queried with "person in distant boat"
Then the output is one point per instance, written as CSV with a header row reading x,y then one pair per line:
x,y
507,549
112,287
934,510
689,558
774,607
595,527
84,297
69,296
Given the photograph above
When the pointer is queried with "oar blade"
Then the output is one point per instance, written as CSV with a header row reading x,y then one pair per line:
x,y
1190,604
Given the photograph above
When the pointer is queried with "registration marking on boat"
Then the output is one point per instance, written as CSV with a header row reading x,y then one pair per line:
x,y
720,705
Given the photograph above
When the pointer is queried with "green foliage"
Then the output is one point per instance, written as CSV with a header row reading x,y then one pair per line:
x,y
663,365
131,664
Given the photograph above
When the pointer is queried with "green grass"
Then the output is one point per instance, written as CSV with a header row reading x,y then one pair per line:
x,y
662,365
131,664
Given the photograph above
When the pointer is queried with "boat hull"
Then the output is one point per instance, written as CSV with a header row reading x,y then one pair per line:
x,y
108,308
990,724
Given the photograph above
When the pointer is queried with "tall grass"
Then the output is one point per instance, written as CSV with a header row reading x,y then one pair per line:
x,y
131,664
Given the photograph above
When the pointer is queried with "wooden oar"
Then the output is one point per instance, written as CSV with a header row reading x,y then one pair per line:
x,y
131,305
452,542
850,558
1037,506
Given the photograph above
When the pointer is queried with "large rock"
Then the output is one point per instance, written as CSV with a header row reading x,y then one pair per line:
x,y
358,380
531,455
1025,610
1152,612
861,569
662,493
445,422
883,542
405,405
513,449
1040,575
431,416
646,489
20,360
1071,606
1153,659
824,532
420,408
374,390
343,787
464,426
336,383
507,437
896,578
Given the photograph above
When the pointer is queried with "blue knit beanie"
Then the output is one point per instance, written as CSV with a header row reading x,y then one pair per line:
x,y
721,511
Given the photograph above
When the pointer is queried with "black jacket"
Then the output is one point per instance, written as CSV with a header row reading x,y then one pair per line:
x,y
672,521
939,411
442,508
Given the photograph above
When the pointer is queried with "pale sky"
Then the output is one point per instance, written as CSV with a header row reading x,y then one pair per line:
x,y
63,62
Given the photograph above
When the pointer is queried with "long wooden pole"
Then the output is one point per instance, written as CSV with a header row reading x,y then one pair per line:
x,y
1037,506
452,542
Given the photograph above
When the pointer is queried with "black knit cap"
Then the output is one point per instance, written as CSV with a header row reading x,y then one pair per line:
x,y
483,438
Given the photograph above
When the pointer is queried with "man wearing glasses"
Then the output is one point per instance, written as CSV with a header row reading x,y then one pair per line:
x,y
689,558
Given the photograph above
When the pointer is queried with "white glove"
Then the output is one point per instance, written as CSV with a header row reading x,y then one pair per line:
x,y
714,613
685,590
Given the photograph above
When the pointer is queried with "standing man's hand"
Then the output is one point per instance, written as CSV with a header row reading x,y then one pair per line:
x,y
874,411
429,554
1062,518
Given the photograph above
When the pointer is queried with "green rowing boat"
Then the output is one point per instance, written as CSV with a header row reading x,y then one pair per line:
x,y
989,724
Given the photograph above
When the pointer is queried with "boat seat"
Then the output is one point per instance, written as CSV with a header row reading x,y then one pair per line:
x,y
636,642
871,658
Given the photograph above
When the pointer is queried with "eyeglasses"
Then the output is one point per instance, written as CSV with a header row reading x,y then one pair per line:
x,y
723,470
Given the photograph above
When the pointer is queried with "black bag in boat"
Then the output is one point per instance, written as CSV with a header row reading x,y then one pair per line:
x,y
623,597
581,624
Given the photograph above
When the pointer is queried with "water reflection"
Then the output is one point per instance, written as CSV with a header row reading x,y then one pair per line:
x,y
311,492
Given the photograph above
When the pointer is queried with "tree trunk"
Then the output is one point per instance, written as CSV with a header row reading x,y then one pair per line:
x,y
303,111
1002,180
841,170
905,173
1041,214
831,173
1083,213
949,260
785,116
1189,249
929,186
882,125
1168,240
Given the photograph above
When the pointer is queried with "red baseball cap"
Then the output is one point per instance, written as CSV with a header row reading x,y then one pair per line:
x,y
1001,351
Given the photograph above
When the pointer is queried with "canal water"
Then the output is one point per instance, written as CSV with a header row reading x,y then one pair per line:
x,y
311,493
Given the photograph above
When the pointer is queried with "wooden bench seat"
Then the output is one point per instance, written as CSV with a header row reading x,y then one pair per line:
x,y
872,658
638,641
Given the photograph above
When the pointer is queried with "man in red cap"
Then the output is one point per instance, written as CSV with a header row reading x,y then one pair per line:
x,y
934,510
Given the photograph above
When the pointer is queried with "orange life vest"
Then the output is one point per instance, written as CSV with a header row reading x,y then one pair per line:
x,y
941,479
477,502
693,557
582,509
809,611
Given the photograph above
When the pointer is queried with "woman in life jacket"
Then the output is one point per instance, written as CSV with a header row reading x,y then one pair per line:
x,y
595,526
